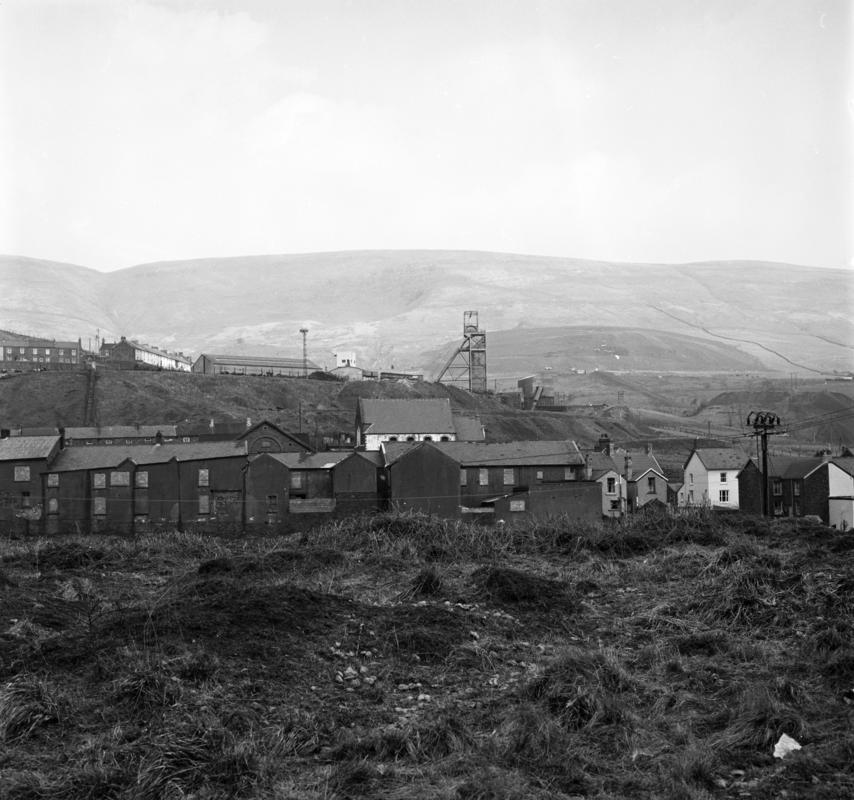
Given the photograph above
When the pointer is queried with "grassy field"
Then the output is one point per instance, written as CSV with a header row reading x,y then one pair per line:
x,y
403,657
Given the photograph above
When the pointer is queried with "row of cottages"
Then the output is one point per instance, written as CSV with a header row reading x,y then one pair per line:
x,y
502,482
426,420
798,487
727,479
129,354
28,352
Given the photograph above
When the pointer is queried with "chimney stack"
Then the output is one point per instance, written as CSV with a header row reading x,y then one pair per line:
x,y
604,444
629,471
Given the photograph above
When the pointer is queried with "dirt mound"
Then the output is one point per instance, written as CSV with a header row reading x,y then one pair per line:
x,y
427,633
508,585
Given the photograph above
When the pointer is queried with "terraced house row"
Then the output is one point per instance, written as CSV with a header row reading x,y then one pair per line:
x,y
412,456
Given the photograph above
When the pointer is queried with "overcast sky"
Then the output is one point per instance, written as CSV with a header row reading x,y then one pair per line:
x,y
629,130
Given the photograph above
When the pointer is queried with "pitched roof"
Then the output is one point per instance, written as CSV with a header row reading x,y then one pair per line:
x,y
845,463
259,361
312,460
724,458
431,415
20,448
120,431
468,429
600,463
641,464
509,454
110,456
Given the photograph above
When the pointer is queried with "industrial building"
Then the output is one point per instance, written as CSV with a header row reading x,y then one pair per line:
x,y
219,364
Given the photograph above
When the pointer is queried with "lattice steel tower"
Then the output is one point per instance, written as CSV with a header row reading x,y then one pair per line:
x,y
466,367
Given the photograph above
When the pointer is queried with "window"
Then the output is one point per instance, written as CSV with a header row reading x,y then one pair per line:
x,y
52,505
615,505
22,474
723,495
568,474
120,479
778,508
483,476
185,439
517,505
410,438
47,351
690,495
204,477
539,474
690,477
612,486
141,480
778,487
204,504
650,484
445,439
392,438
26,502
428,438
53,479
296,480
99,506
796,488
464,477
99,480
509,477
796,508
723,477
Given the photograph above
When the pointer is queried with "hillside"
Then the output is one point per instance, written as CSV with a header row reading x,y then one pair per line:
x,y
316,408
392,306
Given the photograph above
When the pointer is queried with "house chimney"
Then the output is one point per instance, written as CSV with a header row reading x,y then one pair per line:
x,y
649,448
629,471
604,444
588,468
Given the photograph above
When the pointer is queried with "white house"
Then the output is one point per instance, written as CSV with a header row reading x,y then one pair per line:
x,y
379,421
711,477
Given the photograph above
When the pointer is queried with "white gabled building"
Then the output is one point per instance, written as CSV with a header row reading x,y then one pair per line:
x,y
379,421
711,477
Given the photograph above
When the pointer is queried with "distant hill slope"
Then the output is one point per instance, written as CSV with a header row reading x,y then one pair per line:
x,y
522,351
392,306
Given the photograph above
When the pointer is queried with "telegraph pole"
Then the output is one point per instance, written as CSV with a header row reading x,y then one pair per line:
x,y
764,424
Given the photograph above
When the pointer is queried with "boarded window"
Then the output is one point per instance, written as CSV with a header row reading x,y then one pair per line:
x,y
22,474
99,480
141,480
509,477
517,505
539,474
99,506
53,479
204,504
120,479
204,478
52,505
296,480
483,477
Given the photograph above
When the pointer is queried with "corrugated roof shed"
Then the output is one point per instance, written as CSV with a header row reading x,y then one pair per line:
x,y
431,415
258,361
21,448
110,456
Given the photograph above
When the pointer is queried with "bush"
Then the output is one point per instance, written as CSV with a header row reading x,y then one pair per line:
x,y
26,703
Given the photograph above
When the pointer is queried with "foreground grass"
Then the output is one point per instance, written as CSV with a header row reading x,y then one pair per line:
x,y
402,657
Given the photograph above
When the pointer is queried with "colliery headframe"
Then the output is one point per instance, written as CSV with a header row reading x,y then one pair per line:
x,y
466,368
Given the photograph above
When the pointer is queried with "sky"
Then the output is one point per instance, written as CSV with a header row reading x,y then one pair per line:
x,y
659,131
